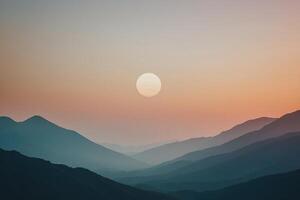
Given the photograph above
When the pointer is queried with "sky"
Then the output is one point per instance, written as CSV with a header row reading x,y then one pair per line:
x,y
220,63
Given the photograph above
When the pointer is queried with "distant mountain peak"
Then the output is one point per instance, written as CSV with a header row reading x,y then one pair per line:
x,y
290,120
255,121
249,125
38,120
5,118
6,121
259,119
38,137
292,114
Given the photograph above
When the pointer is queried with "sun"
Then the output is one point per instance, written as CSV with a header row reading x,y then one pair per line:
x,y
148,85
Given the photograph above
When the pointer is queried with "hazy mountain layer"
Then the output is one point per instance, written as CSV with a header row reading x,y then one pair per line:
x,y
131,149
285,124
40,138
173,150
270,156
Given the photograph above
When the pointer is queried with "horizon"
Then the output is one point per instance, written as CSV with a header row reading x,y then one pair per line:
x,y
219,63
153,144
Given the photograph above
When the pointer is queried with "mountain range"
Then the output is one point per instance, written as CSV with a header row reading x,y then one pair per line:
x,y
287,123
32,178
228,163
38,137
267,157
173,150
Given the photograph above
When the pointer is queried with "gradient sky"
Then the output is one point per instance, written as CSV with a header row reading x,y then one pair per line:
x,y
220,62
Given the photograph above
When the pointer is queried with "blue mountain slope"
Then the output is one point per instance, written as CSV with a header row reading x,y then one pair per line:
x,y
40,138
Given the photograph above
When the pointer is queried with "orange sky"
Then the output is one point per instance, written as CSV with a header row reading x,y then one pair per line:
x,y
220,63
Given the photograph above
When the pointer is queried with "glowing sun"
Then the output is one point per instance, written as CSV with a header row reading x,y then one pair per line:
x,y
148,85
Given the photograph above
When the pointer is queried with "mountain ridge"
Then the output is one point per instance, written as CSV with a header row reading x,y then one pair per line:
x,y
173,150
235,144
41,138
250,137
271,156
23,177
282,186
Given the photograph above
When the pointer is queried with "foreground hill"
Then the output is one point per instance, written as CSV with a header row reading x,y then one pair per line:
x,y
40,138
276,187
31,178
173,150
267,157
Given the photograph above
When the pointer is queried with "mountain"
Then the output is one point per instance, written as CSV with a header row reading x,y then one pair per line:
x,y
276,187
37,137
173,150
271,156
285,124
31,178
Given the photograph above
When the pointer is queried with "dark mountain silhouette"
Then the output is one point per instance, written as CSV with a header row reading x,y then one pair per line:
x,y
40,138
276,187
31,178
270,156
173,150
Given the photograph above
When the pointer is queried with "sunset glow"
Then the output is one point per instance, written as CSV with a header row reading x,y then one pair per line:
x,y
220,63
